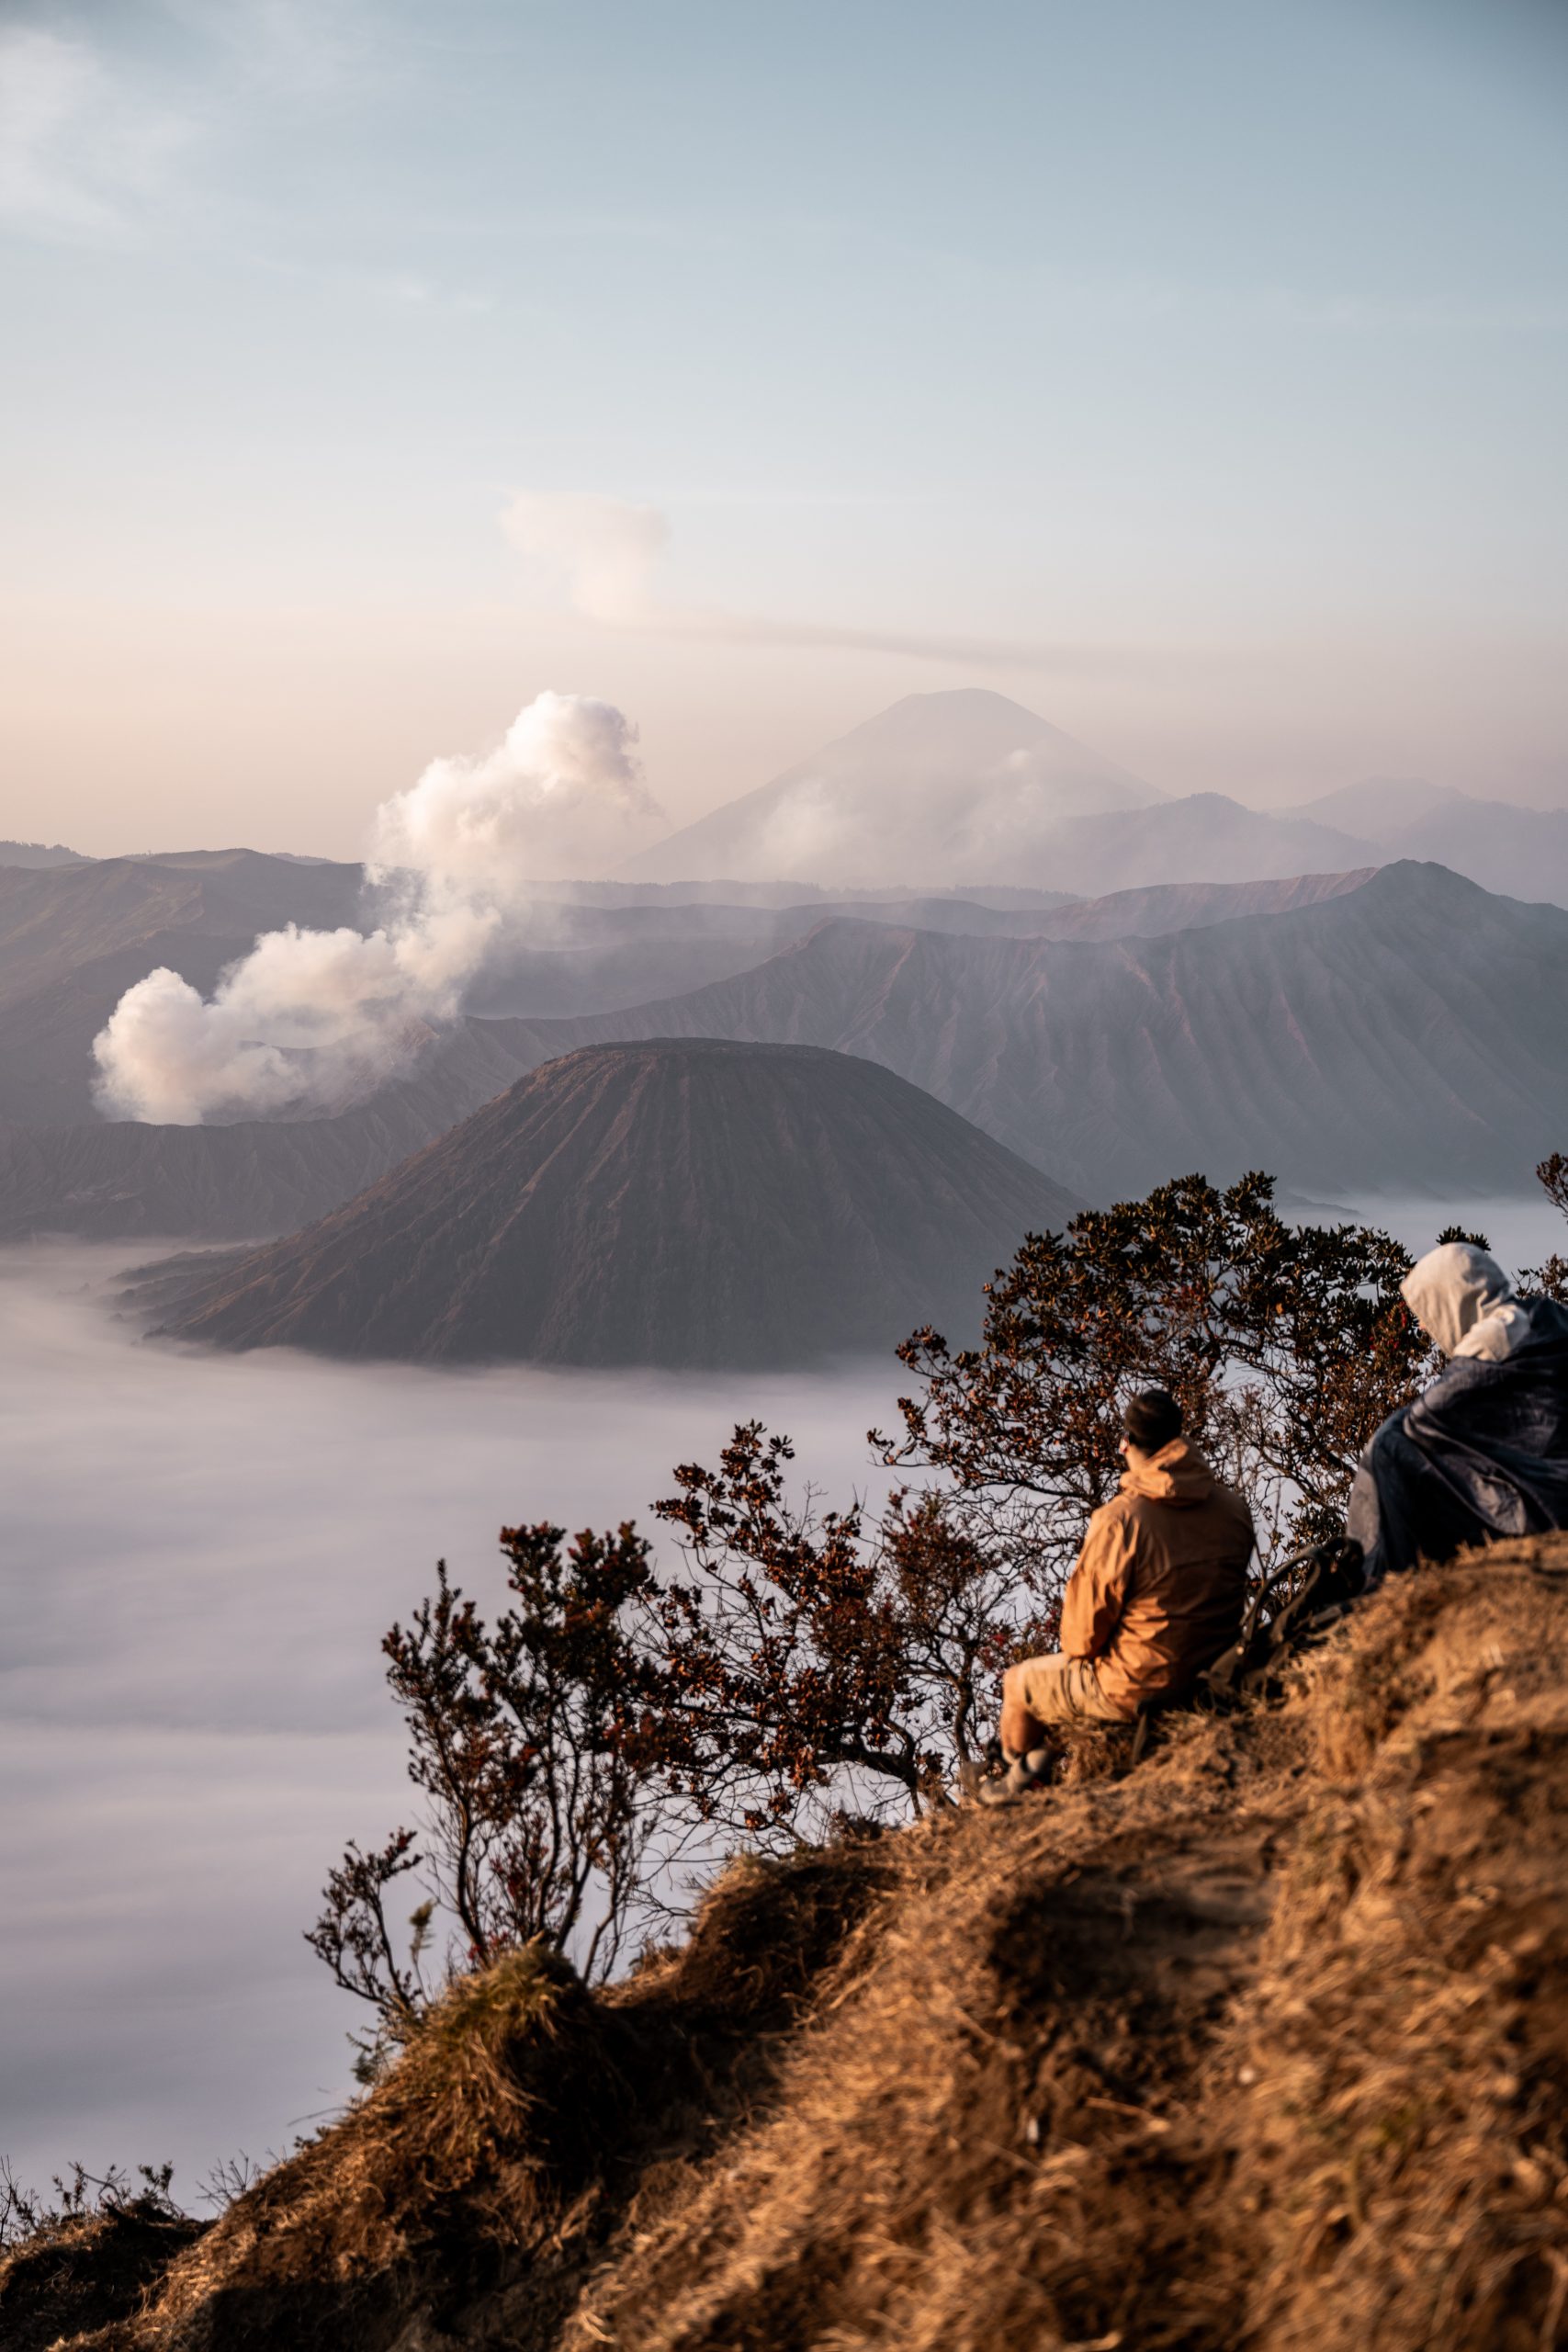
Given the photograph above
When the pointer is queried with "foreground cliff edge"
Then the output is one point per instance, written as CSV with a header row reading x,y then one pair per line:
x,y
1263,2044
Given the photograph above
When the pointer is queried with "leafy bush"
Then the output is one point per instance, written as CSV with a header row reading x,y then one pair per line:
x,y
1552,1279
1285,1346
517,1743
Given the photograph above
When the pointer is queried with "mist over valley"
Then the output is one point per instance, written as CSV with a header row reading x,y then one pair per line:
x,y
202,1556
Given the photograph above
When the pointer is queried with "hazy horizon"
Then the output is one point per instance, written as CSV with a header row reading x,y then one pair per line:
x,y
604,840
1195,378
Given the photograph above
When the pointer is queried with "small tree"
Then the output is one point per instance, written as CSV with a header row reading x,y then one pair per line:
x,y
1285,1345
1552,1279
812,1651
534,1821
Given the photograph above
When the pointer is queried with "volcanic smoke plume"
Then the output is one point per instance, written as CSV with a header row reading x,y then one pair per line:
x,y
315,1020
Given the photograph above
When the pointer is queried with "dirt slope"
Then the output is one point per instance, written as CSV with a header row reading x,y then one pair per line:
x,y
1261,2047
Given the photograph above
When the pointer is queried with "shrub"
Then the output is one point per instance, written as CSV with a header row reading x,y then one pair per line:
x,y
1286,1346
533,1831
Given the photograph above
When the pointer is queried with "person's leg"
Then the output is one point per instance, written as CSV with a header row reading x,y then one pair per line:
x,y
1040,1692
1018,1730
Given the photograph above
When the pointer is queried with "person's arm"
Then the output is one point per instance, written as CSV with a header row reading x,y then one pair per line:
x,y
1097,1589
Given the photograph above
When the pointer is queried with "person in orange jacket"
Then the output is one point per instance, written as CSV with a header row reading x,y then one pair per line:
x,y
1158,1594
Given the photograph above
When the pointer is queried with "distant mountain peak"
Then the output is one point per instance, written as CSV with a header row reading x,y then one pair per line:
x,y
1379,806
972,717
963,785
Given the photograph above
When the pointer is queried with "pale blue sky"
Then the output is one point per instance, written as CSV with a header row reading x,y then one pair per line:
x,y
1192,369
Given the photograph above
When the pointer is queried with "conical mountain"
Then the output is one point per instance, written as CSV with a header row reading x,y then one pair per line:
x,y
676,1202
946,788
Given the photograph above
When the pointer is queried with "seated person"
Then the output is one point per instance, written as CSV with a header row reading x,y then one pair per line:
x,y
1158,1594
1484,1451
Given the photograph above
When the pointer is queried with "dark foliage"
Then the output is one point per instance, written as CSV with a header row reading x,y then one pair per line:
x,y
532,1828
1284,1345
807,1647
1552,1279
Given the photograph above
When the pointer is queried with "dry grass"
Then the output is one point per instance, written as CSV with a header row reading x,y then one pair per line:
x,y
1403,2146
1263,2044
78,2276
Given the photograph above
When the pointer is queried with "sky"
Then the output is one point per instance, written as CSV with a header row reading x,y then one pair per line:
x,y
1195,375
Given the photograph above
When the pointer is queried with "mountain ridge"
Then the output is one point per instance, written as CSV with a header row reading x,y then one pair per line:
x,y
1344,1041
1225,1047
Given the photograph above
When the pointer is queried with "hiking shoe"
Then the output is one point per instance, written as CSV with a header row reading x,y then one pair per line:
x,y
1024,1773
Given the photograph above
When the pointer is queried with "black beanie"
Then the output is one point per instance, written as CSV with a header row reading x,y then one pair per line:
x,y
1151,1419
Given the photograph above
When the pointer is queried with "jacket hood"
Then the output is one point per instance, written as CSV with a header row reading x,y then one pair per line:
x,y
1176,1473
1464,1302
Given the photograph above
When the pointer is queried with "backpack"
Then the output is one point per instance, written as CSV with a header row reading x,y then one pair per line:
x,y
1292,1611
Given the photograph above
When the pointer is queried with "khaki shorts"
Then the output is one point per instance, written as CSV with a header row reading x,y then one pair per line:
x,y
1059,1690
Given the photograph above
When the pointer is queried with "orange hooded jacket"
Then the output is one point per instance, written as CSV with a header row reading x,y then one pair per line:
x,y
1158,1591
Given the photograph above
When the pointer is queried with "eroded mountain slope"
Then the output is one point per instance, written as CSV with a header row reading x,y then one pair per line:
x,y
1412,1024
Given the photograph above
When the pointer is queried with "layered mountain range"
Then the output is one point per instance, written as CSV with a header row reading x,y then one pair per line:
x,y
1362,1021
681,1204
72,941
973,787
1406,1031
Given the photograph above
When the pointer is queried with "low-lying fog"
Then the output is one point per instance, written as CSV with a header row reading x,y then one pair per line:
x,y
202,1554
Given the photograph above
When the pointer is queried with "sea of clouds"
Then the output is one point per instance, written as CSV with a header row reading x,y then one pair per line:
x,y
202,1556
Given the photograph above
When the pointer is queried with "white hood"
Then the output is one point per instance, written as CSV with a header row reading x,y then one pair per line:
x,y
1464,1302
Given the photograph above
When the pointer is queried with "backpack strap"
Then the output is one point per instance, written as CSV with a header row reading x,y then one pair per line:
x,y
1291,1610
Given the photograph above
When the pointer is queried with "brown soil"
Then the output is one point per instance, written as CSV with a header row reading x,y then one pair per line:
x,y
1264,2044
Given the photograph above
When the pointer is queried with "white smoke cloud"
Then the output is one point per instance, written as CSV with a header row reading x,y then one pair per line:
x,y
546,801
315,1020
608,549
